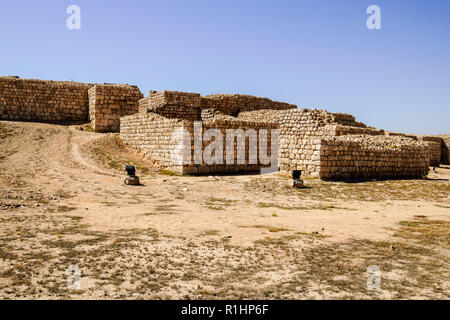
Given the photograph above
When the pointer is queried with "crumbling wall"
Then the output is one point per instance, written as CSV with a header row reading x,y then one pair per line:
x,y
178,145
445,156
397,134
67,102
108,103
155,138
245,146
192,106
433,152
300,134
233,104
436,149
173,104
321,145
40,100
354,156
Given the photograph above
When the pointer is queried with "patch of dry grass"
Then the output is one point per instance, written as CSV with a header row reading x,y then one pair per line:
x,y
143,263
110,151
376,190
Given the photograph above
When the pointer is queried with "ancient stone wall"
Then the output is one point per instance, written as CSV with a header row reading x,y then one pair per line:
x,y
192,106
300,133
396,134
321,144
354,156
243,146
445,155
436,148
155,138
233,104
108,103
67,102
318,143
47,101
434,153
173,104
178,145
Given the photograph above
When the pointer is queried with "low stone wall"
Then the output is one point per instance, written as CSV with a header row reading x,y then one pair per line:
x,y
67,102
341,130
396,134
436,149
182,145
317,143
108,103
153,136
371,157
260,115
445,154
190,106
434,152
47,101
233,104
242,147
173,98
173,104
300,133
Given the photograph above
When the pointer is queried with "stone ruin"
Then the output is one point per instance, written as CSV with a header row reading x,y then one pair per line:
x,y
321,144
67,102
172,129
335,146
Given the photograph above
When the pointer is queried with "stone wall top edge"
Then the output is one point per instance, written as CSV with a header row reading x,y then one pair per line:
x,y
151,116
378,141
57,82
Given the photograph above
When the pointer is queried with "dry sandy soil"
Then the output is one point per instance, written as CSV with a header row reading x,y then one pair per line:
x,y
63,203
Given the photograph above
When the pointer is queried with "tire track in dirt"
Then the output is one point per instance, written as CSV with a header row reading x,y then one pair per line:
x,y
78,139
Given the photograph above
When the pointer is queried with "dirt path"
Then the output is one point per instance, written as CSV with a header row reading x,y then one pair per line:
x,y
185,206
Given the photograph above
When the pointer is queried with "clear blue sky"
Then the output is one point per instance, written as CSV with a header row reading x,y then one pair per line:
x,y
313,53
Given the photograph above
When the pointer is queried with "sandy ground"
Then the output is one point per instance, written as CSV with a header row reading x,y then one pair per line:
x,y
207,237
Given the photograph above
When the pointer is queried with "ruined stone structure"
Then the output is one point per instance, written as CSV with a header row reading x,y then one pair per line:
x,y
335,146
321,144
434,152
67,102
436,149
109,103
37,100
239,133
445,155
170,124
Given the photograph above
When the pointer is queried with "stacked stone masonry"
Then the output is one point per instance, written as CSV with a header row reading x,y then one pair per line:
x,y
179,120
108,103
321,145
164,127
156,138
191,106
445,156
46,101
354,156
233,136
67,102
436,149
